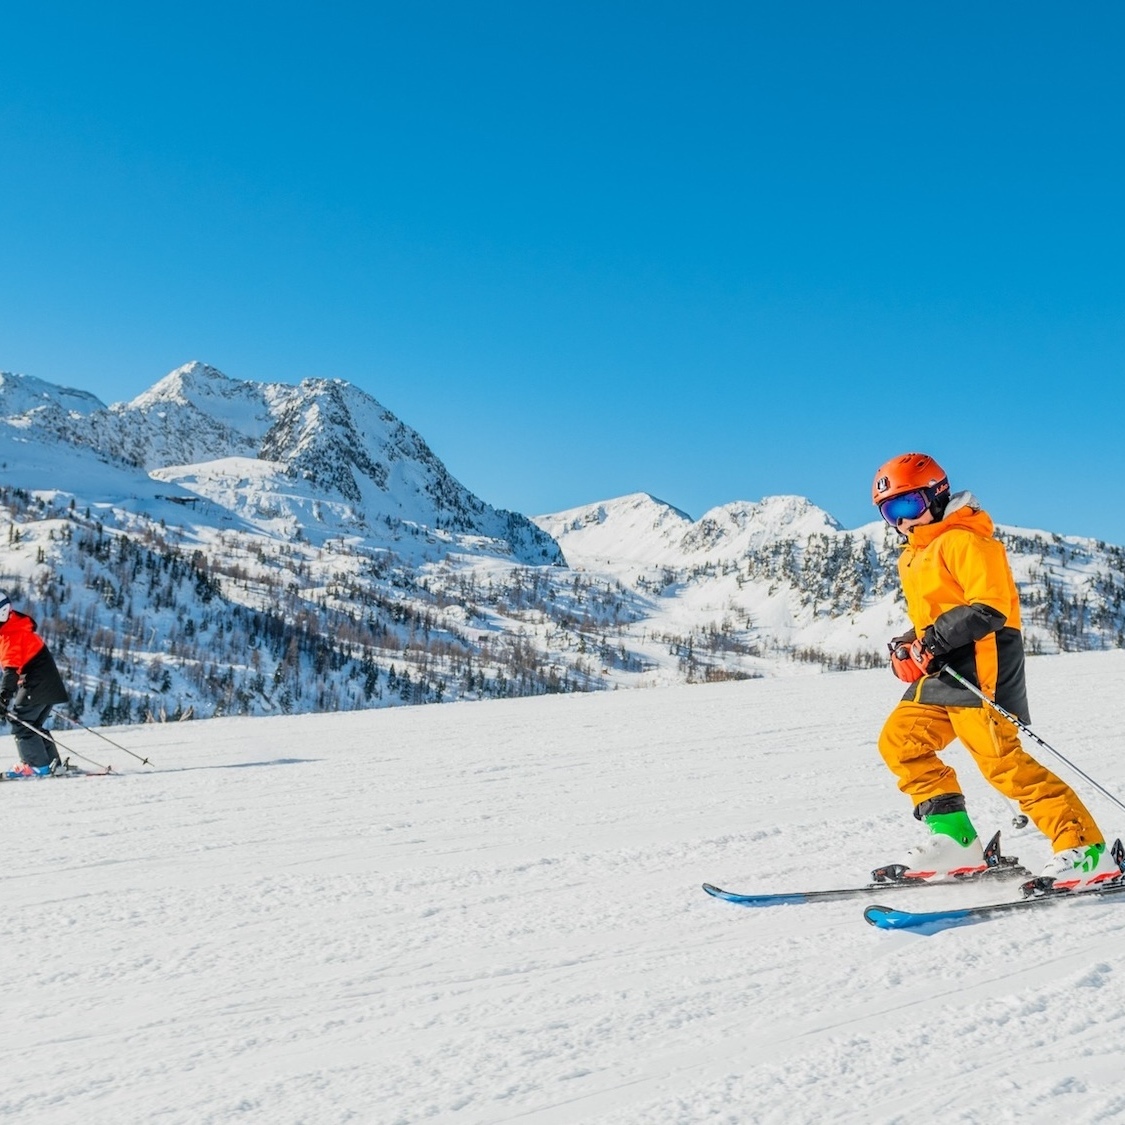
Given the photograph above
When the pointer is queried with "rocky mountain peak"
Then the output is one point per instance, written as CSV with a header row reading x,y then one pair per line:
x,y
195,383
24,396
332,459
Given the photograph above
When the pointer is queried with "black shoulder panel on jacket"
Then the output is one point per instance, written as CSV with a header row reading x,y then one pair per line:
x,y
964,624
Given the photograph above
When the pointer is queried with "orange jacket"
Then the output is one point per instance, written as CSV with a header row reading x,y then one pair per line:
x,y
18,641
957,583
956,561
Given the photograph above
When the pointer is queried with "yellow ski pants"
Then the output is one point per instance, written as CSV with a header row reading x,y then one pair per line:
x,y
914,733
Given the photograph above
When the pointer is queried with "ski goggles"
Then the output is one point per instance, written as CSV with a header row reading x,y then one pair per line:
x,y
905,506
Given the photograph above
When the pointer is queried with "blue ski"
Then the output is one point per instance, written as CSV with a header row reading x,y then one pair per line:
x,y
931,921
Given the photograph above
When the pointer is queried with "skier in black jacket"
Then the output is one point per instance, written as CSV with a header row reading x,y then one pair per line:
x,y
30,685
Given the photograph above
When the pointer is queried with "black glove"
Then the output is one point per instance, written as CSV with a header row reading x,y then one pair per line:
x,y
4,701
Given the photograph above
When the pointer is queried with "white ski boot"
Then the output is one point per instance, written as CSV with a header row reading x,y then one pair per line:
x,y
1076,869
941,857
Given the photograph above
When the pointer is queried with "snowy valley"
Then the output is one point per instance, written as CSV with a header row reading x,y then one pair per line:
x,y
221,547
491,913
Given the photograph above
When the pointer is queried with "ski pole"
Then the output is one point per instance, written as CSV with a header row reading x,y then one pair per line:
x,y
90,730
46,734
1032,735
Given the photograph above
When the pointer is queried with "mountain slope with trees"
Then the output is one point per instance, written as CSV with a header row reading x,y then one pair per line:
x,y
226,547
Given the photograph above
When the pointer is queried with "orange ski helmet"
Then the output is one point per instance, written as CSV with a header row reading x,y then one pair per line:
x,y
911,473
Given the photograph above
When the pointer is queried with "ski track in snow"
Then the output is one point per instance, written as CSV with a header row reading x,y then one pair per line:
x,y
491,913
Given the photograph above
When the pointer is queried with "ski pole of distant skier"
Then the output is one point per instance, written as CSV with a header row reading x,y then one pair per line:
x,y
90,730
1032,735
48,735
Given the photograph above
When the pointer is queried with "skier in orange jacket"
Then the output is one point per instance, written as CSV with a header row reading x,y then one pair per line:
x,y
30,685
964,607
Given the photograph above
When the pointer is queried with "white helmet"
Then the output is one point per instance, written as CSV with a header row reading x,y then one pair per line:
x,y
5,607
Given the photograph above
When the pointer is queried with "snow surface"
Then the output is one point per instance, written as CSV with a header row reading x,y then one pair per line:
x,y
491,912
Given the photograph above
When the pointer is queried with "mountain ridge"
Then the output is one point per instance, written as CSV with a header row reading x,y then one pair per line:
x,y
217,546
357,459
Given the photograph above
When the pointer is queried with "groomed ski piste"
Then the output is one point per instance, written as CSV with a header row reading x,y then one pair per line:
x,y
492,913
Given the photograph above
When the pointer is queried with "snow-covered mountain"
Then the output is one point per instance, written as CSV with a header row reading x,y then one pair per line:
x,y
224,546
640,529
784,577
322,458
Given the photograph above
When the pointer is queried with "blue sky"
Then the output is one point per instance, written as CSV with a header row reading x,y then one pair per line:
x,y
712,251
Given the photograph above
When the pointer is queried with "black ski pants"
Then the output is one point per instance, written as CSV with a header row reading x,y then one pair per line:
x,y
34,749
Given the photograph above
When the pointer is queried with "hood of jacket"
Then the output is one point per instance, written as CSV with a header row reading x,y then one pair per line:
x,y
964,511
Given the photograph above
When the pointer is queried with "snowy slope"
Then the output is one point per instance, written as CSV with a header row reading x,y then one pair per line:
x,y
626,531
491,913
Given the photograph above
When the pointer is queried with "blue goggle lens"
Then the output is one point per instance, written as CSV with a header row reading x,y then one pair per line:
x,y
905,506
